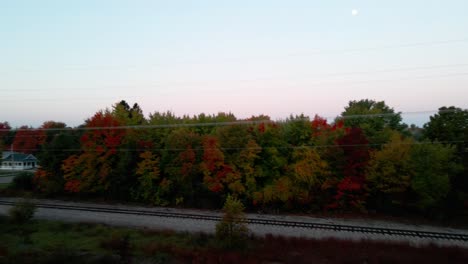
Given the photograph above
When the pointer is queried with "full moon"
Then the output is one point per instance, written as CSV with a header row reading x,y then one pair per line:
x,y
354,12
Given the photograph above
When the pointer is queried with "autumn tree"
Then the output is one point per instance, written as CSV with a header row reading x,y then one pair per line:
x,y
241,153
308,173
28,140
247,166
49,178
180,162
324,139
390,173
272,161
94,169
52,128
351,192
216,173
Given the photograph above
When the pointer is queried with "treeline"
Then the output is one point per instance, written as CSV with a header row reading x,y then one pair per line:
x,y
367,159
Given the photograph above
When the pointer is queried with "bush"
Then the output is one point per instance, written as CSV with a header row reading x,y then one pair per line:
x,y
119,244
23,181
22,212
232,231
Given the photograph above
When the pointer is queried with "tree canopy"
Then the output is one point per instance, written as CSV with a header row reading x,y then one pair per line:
x,y
363,161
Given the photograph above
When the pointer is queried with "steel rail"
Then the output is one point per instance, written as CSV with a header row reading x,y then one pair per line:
x,y
253,221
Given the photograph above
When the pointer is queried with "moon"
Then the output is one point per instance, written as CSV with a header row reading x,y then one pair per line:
x,y
354,12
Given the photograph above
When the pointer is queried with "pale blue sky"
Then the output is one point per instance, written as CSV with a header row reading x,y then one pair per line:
x,y
64,60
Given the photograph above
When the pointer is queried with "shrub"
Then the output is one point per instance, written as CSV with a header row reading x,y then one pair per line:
x,y
232,231
22,212
119,244
23,181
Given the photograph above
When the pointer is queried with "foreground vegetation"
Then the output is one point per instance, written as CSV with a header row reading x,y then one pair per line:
x,y
58,242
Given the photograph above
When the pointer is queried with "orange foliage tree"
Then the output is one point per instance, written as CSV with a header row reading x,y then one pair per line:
x,y
92,170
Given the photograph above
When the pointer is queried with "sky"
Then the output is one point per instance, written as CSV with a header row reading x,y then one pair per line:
x,y
65,60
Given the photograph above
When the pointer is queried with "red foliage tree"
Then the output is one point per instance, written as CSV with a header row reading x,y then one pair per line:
x,y
28,140
89,171
213,167
103,134
351,189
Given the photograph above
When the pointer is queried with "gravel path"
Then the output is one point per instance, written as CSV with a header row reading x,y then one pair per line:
x,y
191,225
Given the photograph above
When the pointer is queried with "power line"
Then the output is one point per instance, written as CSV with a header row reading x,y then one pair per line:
x,y
294,54
239,122
196,83
254,148
403,45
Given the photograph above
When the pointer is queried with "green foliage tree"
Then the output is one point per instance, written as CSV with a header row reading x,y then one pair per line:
x,y
232,231
270,137
126,161
297,130
130,116
450,127
390,172
49,178
432,166
166,120
247,165
5,140
375,118
151,187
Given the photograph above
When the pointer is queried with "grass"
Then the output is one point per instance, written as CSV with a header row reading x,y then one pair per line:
x,y
4,185
7,172
57,242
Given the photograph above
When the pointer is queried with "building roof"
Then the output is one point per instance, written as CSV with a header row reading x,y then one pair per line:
x,y
16,156
6,153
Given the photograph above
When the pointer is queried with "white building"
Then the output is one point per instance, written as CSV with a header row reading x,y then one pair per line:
x,y
17,161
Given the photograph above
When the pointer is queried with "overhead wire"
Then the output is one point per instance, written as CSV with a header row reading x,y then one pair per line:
x,y
239,122
197,83
404,45
250,148
292,54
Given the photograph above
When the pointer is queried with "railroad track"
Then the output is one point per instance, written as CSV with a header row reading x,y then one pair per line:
x,y
294,224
